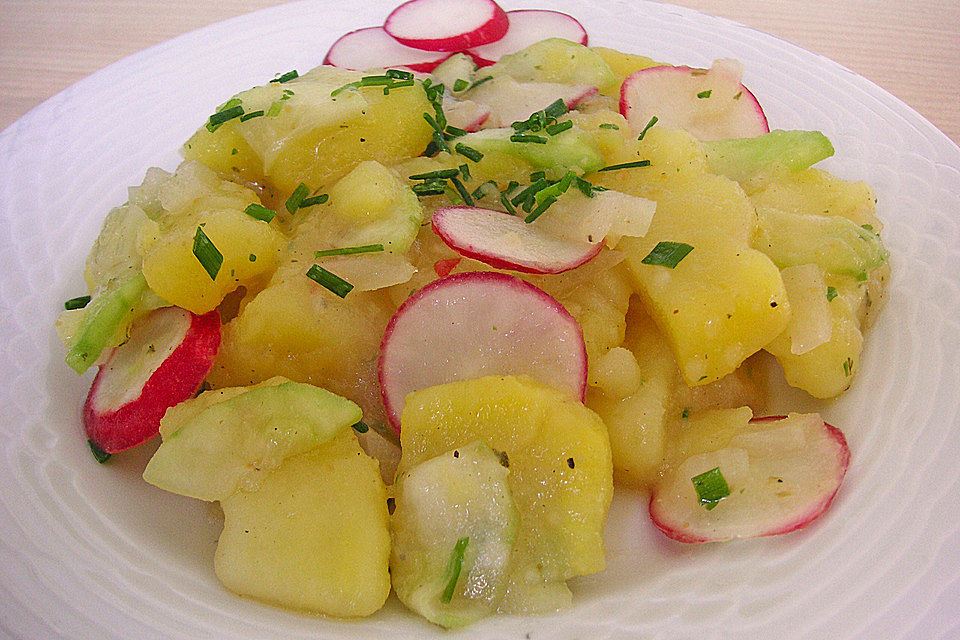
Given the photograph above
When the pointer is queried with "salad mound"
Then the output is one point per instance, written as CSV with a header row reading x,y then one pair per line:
x,y
409,324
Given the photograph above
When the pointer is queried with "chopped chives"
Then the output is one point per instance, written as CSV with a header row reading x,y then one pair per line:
x,y
220,117
465,171
329,281
738,94
229,104
626,165
529,191
831,294
398,85
314,200
260,212
479,82
76,303
442,173
98,453
440,141
667,254
848,367
398,74
559,127
432,122
652,122
287,77
296,198
460,84
462,190
607,125
518,137
252,114
536,213
207,254
705,94
556,109
454,567
537,175
453,131
482,191
506,204
711,487
339,90
344,251
556,189
429,188
275,108
585,187
868,227
360,427
468,152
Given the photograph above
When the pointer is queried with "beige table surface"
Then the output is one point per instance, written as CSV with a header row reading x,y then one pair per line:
x,y
911,48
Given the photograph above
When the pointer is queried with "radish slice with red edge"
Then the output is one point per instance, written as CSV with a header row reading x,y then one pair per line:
x,y
475,324
504,241
164,362
782,473
528,26
447,25
710,104
373,48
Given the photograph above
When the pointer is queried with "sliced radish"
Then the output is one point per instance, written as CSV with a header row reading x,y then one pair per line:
x,y
782,474
528,26
510,101
445,266
373,48
447,25
504,241
465,114
164,362
710,104
476,324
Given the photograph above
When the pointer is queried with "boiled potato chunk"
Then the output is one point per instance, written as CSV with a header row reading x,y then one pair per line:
x,y
622,65
556,60
560,473
314,536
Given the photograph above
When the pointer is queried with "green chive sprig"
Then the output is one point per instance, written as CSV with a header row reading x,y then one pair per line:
x,y
260,212
711,488
667,254
626,165
207,254
329,281
76,303
346,251
454,567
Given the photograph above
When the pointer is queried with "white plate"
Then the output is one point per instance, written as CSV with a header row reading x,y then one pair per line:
x,y
92,552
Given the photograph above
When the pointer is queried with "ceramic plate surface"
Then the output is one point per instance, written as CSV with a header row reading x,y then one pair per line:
x,y
93,552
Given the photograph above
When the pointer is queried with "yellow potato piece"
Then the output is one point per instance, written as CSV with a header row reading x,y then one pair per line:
x,y
314,536
560,471
250,249
622,65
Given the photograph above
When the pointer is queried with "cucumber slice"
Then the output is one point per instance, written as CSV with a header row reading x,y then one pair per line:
x,y
233,444
572,150
453,535
112,309
836,244
741,159
557,60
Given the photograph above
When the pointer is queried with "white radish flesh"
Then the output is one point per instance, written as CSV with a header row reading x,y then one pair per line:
x,y
162,364
465,114
476,324
447,25
373,48
510,101
710,104
528,26
782,474
504,241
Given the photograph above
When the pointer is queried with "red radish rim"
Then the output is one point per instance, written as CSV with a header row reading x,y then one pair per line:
x,y
420,61
794,525
492,30
176,372
497,262
625,106
477,53
391,412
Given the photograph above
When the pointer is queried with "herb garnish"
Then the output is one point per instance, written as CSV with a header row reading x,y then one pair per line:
x,y
343,251
711,488
260,212
454,566
331,282
76,303
209,256
667,254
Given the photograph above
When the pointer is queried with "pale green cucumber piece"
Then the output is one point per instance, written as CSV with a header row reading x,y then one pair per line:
x,y
572,150
743,158
460,495
110,310
233,444
556,60
834,243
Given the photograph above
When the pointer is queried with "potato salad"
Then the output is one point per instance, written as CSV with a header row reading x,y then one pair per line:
x,y
409,317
